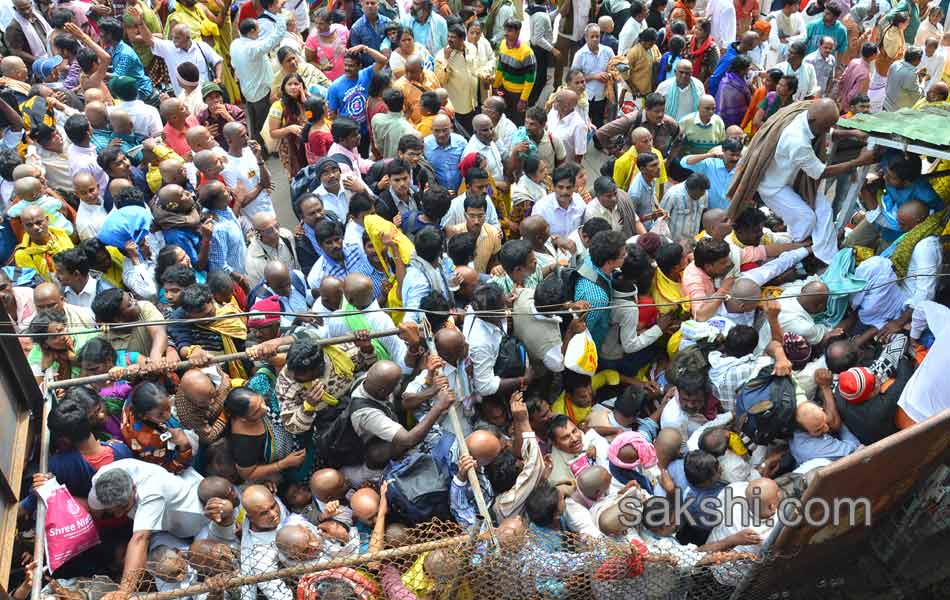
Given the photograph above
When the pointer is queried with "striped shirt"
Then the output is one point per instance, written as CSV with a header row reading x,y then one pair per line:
x,y
515,69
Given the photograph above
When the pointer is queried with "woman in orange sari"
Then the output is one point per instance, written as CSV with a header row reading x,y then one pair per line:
x,y
771,80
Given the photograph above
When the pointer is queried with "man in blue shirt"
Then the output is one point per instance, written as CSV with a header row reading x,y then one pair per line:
x,y
347,95
718,166
902,182
443,150
124,59
428,27
368,29
607,253
227,238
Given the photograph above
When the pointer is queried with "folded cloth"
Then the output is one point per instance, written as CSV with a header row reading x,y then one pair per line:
x,y
645,450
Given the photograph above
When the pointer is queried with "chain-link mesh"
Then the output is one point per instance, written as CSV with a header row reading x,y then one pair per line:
x,y
439,560
902,556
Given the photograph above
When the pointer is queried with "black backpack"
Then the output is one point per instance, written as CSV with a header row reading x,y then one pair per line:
x,y
768,401
512,358
337,444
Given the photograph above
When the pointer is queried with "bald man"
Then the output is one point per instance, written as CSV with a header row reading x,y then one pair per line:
x,y
797,315
926,258
373,416
567,124
264,516
421,393
365,505
748,527
299,544
791,155
821,434
468,280
40,243
483,142
49,296
444,149
199,402
177,123
270,243
246,173
416,80
329,486
688,89
702,130
199,138
173,172
280,279
405,350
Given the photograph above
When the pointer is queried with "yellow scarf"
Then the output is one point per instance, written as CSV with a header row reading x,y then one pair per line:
x,y
40,258
376,227
732,239
230,329
665,290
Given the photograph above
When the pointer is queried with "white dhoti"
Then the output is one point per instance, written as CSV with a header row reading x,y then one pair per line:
x,y
803,222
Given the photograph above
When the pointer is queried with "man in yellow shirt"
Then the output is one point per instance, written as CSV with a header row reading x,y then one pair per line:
x,y
41,243
625,167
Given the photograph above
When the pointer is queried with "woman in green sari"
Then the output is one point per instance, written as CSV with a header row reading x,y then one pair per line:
x,y
262,450
155,66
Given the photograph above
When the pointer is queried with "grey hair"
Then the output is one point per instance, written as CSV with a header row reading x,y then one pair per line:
x,y
590,27
204,159
114,488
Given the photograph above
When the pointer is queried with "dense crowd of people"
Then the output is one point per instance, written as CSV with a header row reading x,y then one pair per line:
x,y
604,282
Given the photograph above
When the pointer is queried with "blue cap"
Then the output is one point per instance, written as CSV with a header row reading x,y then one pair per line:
x,y
43,67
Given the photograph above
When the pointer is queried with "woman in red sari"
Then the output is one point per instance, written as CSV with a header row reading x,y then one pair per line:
x,y
703,52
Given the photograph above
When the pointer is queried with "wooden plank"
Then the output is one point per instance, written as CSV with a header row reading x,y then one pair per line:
x,y
8,521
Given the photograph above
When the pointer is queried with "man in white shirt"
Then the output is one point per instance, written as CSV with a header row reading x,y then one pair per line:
x,y
687,90
563,208
265,514
749,522
72,270
934,62
722,15
632,28
245,172
926,259
925,394
592,59
157,501
82,155
483,142
796,65
566,124
145,118
253,69
793,154
181,49
823,61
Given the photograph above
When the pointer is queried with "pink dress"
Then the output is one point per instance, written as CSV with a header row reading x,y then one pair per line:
x,y
329,56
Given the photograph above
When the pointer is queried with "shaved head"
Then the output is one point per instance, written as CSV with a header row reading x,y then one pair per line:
x,y
197,387
382,379
484,446
327,485
298,542
450,344
365,504
822,115
358,289
331,293
668,444
46,294
764,495
594,482
97,114
911,214
441,120
744,296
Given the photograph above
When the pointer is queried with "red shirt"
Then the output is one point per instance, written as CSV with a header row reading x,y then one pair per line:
x,y
248,11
